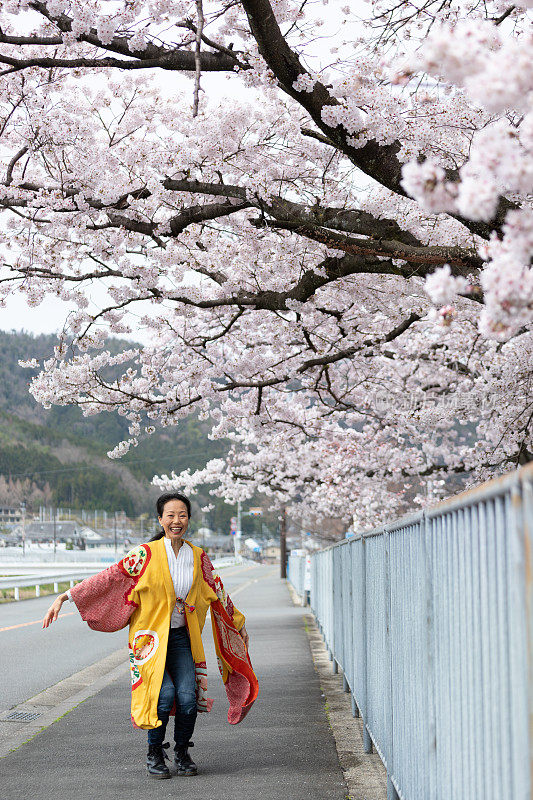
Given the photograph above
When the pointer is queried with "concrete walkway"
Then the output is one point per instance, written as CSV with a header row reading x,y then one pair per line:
x,y
283,750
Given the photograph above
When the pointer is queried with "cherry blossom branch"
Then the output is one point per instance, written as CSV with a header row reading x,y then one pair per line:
x,y
150,55
377,160
308,222
10,167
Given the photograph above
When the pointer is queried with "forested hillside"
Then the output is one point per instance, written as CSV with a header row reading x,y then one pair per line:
x,y
58,455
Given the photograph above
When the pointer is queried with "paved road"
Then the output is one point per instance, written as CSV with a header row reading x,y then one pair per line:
x,y
283,750
39,658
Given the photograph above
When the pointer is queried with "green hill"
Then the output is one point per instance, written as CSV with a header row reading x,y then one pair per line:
x,y
61,454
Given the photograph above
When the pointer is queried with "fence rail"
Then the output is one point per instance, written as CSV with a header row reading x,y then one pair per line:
x,y
429,621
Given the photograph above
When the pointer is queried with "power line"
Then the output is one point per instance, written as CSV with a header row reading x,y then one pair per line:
x,y
84,466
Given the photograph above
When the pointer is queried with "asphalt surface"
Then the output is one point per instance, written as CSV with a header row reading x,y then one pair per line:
x,y
283,750
40,657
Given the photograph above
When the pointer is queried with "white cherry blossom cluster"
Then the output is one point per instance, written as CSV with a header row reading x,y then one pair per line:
x,y
491,65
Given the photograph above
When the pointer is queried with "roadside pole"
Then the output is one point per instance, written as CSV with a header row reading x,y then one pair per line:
x,y
238,532
283,544
23,527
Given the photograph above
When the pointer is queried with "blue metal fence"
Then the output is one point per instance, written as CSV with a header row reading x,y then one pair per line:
x,y
429,621
298,573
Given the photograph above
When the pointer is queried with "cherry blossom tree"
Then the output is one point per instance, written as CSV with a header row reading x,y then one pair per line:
x,y
316,217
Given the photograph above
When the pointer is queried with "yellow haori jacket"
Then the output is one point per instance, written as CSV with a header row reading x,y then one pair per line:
x,y
138,589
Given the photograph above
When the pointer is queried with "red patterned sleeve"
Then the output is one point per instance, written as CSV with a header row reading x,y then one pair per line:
x,y
215,582
105,600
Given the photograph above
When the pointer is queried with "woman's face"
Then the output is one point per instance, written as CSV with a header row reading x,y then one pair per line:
x,y
175,520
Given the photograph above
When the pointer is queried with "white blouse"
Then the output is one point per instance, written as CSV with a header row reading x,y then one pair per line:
x,y
181,568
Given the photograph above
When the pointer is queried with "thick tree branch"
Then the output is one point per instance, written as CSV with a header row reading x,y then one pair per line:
x,y
10,167
463,261
379,161
331,269
203,213
178,60
152,55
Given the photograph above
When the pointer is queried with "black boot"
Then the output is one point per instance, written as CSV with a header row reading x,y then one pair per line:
x,y
155,761
184,763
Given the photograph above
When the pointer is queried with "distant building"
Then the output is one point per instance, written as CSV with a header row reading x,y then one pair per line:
x,y
8,514
216,543
88,533
271,551
44,531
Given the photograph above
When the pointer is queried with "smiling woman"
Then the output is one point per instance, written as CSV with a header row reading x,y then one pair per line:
x,y
163,589
173,512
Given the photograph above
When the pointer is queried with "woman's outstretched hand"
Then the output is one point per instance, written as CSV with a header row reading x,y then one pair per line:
x,y
53,612
245,636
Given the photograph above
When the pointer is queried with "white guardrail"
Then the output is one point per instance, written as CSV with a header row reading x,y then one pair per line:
x,y
429,620
37,577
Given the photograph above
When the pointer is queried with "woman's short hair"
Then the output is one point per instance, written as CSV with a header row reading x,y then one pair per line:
x,y
161,501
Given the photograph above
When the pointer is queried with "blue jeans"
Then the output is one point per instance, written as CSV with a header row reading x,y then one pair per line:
x,y
179,684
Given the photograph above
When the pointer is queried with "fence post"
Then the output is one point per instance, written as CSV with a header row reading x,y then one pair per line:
x,y
367,741
392,794
520,649
527,515
430,655
355,709
334,618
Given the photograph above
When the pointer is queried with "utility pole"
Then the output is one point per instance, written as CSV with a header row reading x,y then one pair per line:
x,y
23,506
238,532
55,537
283,543
115,529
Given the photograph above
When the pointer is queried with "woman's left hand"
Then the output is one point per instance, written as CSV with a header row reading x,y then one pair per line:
x,y
245,636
